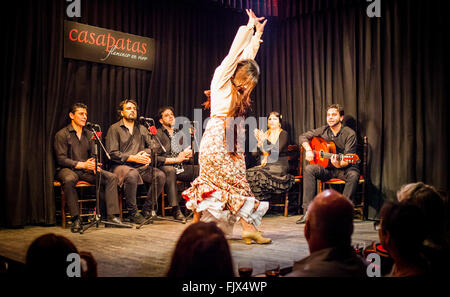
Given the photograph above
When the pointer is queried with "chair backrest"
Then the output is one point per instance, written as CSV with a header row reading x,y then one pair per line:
x,y
362,151
295,157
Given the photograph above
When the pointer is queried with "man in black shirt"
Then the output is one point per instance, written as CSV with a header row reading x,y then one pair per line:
x,y
345,140
73,155
129,145
172,160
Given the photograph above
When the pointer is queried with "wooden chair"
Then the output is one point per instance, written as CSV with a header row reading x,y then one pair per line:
x,y
163,196
295,168
79,185
140,189
180,184
362,181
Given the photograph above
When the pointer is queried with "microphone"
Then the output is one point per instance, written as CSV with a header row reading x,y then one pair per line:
x,y
142,119
92,125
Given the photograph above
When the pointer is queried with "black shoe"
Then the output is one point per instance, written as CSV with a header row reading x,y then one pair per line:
x,y
149,214
137,218
117,222
302,219
178,215
76,225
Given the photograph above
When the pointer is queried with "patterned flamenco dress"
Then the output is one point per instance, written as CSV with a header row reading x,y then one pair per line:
x,y
221,191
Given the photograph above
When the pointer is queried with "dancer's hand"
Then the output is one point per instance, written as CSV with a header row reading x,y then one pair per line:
x,y
252,18
259,26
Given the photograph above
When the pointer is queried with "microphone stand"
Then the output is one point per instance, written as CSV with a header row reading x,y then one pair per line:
x,y
194,143
98,176
153,148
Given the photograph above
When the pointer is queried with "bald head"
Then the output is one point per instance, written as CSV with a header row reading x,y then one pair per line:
x,y
330,221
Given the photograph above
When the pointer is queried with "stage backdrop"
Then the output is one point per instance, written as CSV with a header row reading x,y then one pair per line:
x,y
388,72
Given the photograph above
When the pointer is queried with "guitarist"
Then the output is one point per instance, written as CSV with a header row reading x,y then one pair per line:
x,y
345,141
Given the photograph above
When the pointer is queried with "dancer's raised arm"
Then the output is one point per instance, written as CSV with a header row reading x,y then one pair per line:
x,y
243,47
252,48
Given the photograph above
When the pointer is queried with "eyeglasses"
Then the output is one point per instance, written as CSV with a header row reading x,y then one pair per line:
x,y
376,225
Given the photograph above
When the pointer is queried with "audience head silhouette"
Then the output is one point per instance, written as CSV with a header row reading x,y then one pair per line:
x,y
202,251
329,222
402,234
47,256
426,198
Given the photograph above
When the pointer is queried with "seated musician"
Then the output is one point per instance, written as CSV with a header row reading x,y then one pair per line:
x,y
129,144
176,161
73,149
271,177
345,141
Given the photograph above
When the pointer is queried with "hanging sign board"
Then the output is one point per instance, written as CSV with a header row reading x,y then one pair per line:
x,y
94,44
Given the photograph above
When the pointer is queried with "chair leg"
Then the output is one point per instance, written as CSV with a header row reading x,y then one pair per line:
x,y
120,206
163,209
286,204
363,197
300,195
63,209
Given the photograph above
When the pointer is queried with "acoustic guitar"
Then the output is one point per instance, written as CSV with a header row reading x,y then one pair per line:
x,y
323,151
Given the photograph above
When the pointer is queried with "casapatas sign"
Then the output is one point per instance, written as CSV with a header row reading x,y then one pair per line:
x,y
89,43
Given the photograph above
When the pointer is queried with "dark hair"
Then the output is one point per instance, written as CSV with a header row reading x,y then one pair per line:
x,y
163,109
275,113
122,104
74,107
243,82
339,108
47,255
404,222
432,205
202,251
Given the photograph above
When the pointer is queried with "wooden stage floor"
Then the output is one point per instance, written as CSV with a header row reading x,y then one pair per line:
x,y
147,252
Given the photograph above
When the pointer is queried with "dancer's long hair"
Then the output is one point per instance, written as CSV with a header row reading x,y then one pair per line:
x,y
243,82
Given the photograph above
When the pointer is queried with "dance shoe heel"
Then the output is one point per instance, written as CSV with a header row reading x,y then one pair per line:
x,y
248,237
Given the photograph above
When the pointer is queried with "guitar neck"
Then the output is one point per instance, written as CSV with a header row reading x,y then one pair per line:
x,y
326,155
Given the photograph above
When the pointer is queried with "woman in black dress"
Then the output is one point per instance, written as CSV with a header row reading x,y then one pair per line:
x,y
271,176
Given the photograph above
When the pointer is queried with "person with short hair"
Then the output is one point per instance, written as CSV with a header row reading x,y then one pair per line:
x,y
73,149
129,145
345,141
328,231
176,158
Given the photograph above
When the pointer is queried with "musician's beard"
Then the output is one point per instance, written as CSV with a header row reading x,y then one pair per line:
x,y
334,125
131,117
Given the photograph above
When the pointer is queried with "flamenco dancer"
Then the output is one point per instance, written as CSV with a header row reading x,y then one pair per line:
x,y
221,192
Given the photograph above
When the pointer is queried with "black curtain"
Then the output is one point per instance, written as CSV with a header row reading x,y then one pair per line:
x,y
388,72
